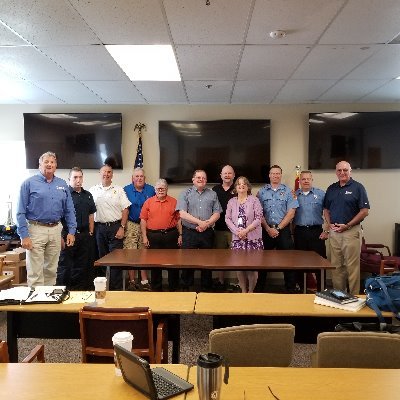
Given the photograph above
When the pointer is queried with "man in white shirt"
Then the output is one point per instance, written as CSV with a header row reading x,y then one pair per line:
x,y
112,209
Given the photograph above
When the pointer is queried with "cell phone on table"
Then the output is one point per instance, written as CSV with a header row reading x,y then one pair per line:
x,y
340,295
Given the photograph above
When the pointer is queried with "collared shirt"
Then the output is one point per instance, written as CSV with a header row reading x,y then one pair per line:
x,y
110,202
310,207
201,205
160,214
345,202
84,206
276,203
223,197
137,199
45,202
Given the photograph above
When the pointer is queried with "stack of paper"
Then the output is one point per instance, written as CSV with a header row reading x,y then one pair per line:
x,y
354,306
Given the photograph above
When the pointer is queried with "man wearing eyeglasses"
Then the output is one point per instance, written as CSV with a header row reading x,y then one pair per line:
x,y
199,209
345,207
161,229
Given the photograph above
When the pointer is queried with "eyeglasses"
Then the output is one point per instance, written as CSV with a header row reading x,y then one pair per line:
x,y
161,189
342,170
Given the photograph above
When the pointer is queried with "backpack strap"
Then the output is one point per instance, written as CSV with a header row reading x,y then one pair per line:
x,y
389,301
371,303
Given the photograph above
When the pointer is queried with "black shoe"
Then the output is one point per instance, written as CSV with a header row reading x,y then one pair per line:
x,y
219,287
132,286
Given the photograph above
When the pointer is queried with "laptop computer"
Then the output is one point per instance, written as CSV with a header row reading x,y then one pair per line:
x,y
154,383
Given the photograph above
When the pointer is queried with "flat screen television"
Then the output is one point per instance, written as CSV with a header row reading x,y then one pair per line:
x,y
85,140
367,140
189,145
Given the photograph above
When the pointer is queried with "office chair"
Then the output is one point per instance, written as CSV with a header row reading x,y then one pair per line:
x,y
267,345
377,259
99,324
37,353
357,350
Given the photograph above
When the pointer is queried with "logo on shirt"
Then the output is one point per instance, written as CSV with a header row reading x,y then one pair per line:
x,y
347,192
60,187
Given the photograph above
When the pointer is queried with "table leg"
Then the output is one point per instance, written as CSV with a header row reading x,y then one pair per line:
x,y
322,279
12,339
108,274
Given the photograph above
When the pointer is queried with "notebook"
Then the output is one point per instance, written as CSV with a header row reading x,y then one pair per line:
x,y
154,383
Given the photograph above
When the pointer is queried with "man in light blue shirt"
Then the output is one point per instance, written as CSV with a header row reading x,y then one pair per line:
x,y
309,233
279,206
44,199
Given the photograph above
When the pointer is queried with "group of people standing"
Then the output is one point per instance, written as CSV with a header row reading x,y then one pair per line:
x,y
225,216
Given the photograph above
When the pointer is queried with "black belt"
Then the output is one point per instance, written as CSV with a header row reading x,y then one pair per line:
x,y
194,229
82,230
109,223
276,226
162,230
48,224
135,221
309,226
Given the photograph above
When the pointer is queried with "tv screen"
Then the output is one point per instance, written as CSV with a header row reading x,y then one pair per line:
x,y
85,140
365,139
189,145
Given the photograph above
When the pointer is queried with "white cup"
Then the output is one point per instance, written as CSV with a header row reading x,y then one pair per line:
x,y
123,339
100,286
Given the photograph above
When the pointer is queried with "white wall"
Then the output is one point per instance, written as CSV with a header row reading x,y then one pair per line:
x,y
289,146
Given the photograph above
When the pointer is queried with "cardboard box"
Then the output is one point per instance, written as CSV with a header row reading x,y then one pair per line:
x,y
14,255
16,268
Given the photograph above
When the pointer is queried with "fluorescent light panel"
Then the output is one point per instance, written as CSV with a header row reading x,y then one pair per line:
x,y
147,62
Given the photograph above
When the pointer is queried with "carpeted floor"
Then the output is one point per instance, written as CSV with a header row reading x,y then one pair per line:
x,y
194,341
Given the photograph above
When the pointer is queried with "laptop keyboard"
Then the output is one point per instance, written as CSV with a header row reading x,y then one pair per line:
x,y
164,388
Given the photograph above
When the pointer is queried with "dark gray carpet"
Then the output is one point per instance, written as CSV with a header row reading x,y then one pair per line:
x,y
194,341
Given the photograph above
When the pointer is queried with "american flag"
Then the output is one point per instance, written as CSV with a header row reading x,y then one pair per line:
x,y
139,154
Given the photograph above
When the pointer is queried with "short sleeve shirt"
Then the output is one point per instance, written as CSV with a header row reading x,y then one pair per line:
x,y
310,207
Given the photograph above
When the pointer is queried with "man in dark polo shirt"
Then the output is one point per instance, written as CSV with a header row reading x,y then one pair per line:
x,y
223,236
75,265
345,207
199,209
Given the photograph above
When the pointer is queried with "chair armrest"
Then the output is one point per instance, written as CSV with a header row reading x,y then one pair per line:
x,y
161,355
371,246
37,352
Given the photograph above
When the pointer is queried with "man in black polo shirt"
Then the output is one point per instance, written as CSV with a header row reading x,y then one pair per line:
x,y
345,207
76,262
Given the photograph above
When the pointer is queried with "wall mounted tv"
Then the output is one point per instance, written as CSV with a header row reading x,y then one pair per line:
x,y
189,145
86,140
367,140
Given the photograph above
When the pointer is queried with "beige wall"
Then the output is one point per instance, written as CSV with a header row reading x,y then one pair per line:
x,y
289,138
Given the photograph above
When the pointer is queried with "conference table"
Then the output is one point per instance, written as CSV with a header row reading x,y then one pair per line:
x,y
259,383
70,382
61,321
215,259
230,309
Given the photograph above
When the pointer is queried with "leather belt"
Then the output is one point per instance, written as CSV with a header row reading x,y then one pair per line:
x,y
109,223
162,230
308,226
136,221
48,224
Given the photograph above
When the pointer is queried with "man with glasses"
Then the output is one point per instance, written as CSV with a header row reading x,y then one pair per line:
x,y
345,207
161,229
199,209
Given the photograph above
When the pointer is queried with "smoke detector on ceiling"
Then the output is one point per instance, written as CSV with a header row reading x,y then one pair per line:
x,y
279,34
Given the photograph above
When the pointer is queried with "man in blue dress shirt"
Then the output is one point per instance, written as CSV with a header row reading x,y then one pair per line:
x,y
137,192
43,200
279,206
309,233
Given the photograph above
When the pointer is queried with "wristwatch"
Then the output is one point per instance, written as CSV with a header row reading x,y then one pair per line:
x,y
277,228
122,226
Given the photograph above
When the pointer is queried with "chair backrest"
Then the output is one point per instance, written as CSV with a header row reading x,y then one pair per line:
x,y
99,324
269,345
357,350
36,354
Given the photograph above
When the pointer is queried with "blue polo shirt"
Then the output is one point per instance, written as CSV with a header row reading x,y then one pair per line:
x,y
276,203
345,202
137,199
310,207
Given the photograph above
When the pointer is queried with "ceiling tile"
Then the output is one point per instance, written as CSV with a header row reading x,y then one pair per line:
x,y
387,93
162,92
256,91
219,92
303,91
115,92
208,62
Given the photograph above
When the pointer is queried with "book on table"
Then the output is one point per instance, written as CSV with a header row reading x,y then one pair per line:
x,y
353,306
337,296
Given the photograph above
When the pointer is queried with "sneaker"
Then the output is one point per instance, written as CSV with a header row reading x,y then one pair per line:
x,y
132,286
144,287
233,289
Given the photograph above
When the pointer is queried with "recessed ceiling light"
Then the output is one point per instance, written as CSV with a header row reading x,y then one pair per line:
x,y
146,62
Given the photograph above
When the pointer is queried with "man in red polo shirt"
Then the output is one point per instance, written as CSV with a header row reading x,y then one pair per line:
x,y
161,229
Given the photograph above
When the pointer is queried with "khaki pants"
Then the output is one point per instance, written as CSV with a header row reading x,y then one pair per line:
x,y
133,240
42,260
345,250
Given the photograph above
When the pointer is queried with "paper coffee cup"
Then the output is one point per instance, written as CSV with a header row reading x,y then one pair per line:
x,y
123,339
100,286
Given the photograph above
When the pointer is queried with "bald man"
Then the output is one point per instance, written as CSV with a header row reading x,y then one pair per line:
x,y
345,207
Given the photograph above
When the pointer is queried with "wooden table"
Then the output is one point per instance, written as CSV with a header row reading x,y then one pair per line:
x,y
248,383
230,309
61,321
216,259
70,382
